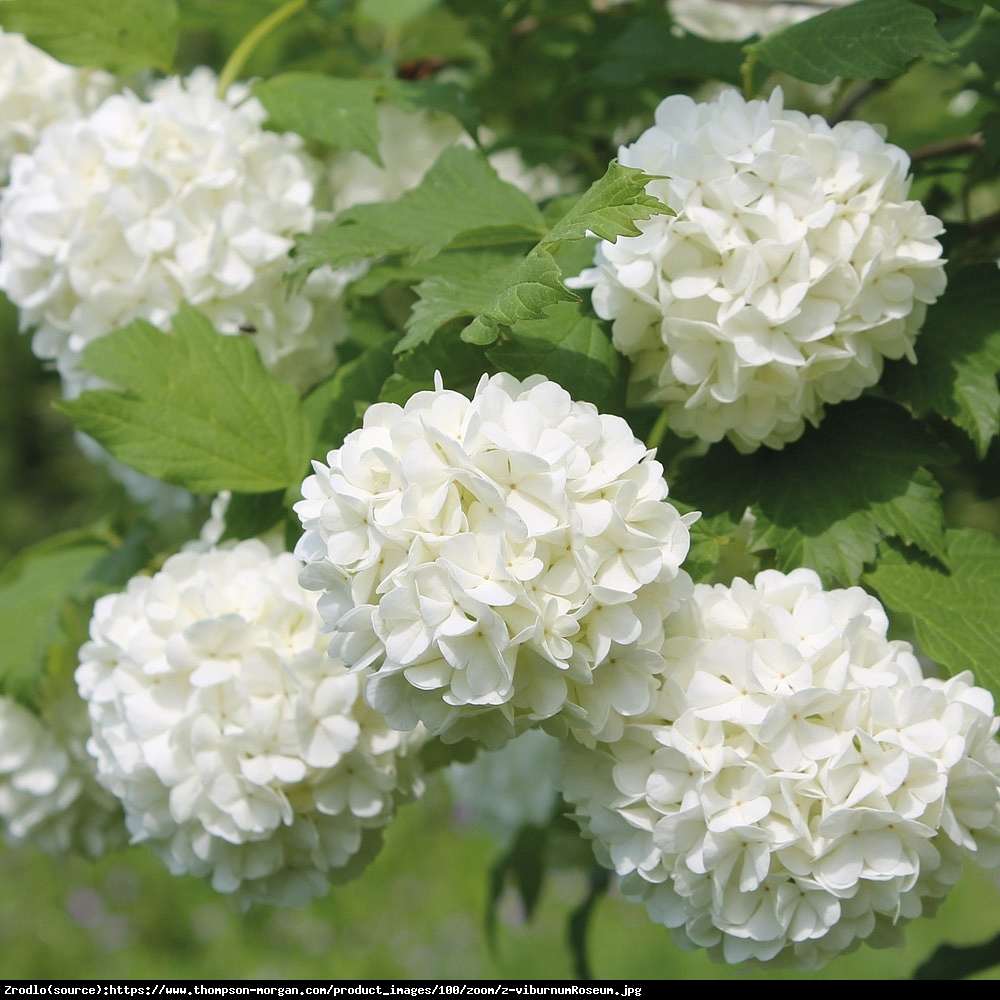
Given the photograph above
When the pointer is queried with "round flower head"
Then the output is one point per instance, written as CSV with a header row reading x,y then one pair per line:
x,y
123,214
239,749
800,786
793,266
497,561
36,90
48,795
728,21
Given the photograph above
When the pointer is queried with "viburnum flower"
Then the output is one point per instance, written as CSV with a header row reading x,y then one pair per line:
x,y
48,794
409,143
36,90
793,267
728,21
238,748
496,562
123,214
800,786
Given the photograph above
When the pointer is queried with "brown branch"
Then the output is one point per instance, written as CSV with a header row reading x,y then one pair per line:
x,y
950,147
851,102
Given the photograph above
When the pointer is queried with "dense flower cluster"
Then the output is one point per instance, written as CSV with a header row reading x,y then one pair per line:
x,y
239,749
497,561
125,213
409,143
48,795
36,90
800,786
793,266
730,20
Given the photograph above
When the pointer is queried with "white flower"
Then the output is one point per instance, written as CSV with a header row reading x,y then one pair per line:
x,y
409,143
793,266
731,20
800,787
36,90
506,789
48,795
123,214
239,749
497,562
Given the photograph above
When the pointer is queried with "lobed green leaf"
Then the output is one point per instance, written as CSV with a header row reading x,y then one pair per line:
x,y
808,511
196,408
954,612
341,114
863,40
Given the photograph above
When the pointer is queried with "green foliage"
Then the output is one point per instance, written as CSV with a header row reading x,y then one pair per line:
x,y
196,409
33,589
950,962
870,38
340,113
460,203
808,511
954,611
609,209
958,355
123,36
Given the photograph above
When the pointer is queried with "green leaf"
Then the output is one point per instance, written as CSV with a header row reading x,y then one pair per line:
x,y
251,514
650,51
466,284
336,406
955,962
460,203
197,408
340,113
393,15
609,208
598,883
954,613
33,586
567,346
524,865
813,514
436,95
958,357
535,284
122,36
864,40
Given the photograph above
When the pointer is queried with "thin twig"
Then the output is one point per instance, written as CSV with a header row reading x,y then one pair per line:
x,y
950,147
851,102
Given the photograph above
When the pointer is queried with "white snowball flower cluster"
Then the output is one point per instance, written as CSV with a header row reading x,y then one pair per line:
x,y
793,266
506,789
48,794
409,143
36,90
239,749
733,21
800,787
497,561
125,213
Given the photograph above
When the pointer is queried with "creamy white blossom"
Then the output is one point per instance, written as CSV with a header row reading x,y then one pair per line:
x,y
496,562
504,790
793,267
238,748
735,20
48,794
409,143
36,90
800,786
123,214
